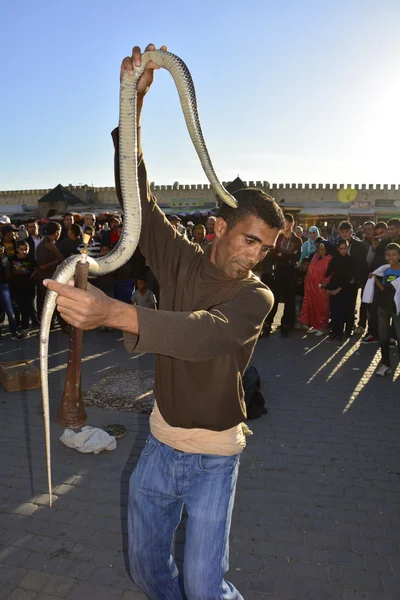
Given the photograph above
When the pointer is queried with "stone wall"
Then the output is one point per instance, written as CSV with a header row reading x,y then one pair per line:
x,y
190,197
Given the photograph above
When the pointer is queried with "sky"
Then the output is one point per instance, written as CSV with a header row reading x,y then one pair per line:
x,y
289,91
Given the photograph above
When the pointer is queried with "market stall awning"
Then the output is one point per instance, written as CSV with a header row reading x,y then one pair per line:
x,y
324,211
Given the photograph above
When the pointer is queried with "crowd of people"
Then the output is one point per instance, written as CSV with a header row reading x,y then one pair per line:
x,y
318,282
31,253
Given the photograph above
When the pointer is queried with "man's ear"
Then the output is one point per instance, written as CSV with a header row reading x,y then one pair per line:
x,y
221,227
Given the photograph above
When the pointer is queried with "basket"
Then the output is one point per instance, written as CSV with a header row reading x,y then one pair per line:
x,y
19,375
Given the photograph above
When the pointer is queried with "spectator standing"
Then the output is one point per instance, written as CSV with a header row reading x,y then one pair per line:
x,y
8,235
142,296
71,244
286,253
68,220
189,230
339,274
48,257
368,241
33,238
309,249
299,231
358,252
110,238
210,235
381,235
199,234
315,311
5,294
387,280
22,285
89,220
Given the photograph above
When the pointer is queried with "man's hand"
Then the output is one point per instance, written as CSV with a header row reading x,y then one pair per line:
x,y
136,59
79,308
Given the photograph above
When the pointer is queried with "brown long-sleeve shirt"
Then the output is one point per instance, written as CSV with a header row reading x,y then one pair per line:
x,y
205,332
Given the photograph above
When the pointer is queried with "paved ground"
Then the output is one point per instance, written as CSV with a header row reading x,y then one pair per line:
x,y
317,509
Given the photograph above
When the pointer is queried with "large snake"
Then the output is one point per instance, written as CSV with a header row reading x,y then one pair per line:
x,y
131,199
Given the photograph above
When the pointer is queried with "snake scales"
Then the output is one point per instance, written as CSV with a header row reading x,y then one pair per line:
x,y
131,199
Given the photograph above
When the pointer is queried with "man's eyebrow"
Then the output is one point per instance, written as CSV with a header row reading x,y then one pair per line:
x,y
257,239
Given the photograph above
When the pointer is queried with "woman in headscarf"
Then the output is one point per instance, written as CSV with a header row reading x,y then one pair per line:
x,y
308,249
315,310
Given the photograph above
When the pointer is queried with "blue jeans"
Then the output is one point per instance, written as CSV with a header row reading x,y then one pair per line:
x,y
6,304
163,481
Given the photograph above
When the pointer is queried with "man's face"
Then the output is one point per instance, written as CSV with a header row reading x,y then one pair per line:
x,y
298,231
346,234
140,284
33,229
68,220
71,234
174,224
393,232
114,224
287,226
89,219
380,233
199,235
22,250
210,225
239,249
369,232
104,250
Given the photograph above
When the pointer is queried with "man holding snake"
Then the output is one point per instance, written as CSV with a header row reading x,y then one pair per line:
x,y
211,312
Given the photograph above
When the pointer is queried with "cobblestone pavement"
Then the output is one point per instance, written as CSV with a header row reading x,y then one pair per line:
x,y
317,508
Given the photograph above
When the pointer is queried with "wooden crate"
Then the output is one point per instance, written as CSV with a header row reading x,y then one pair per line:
x,y
19,375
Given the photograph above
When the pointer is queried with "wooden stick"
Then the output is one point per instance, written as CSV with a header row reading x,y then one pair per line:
x,y
71,413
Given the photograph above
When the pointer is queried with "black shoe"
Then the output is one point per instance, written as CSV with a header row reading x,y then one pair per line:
x,y
266,332
17,336
284,331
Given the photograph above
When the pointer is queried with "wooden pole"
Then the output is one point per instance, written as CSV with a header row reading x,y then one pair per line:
x,y
71,413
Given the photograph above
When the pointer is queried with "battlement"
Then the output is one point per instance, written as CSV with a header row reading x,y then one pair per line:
x,y
206,186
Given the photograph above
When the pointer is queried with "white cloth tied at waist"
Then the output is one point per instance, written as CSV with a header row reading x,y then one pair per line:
x,y
369,289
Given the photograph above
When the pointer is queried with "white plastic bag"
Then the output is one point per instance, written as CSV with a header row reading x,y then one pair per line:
x,y
90,439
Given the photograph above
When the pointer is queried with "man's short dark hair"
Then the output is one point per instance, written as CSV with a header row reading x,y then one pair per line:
x,y
67,215
369,223
381,225
345,226
394,223
22,243
289,217
52,227
252,201
76,230
31,220
90,230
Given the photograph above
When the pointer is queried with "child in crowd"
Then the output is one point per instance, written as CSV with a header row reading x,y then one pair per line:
x,y
340,274
142,296
22,286
387,279
301,273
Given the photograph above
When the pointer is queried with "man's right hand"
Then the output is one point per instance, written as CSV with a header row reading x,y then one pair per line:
x,y
147,78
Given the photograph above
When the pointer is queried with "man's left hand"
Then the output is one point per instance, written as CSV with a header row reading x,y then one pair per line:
x,y
80,308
